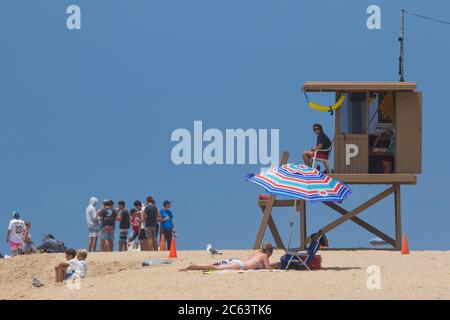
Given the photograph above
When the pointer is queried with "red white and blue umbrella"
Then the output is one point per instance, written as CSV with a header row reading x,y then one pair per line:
x,y
301,182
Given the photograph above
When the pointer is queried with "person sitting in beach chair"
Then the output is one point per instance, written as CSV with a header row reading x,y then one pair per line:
x,y
258,260
322,146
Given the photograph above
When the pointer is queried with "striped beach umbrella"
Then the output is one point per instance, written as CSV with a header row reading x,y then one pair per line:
x,y
301,182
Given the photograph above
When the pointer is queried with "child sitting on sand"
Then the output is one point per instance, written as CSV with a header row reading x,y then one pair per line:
x,y
258,260
74,266
81,256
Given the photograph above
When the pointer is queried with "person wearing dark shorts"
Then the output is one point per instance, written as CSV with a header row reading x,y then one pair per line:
x,y
134,222
167,228
123,215
140,214
323,143
152,216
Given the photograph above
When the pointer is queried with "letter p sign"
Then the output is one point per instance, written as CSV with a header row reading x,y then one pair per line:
x,y
351,151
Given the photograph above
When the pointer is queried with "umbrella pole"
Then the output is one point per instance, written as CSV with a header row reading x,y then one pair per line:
x,y
291,224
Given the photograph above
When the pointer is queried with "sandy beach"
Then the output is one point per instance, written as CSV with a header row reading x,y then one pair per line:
x,y
420,275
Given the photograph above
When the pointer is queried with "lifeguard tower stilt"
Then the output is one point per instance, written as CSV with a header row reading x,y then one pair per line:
x,y
381,124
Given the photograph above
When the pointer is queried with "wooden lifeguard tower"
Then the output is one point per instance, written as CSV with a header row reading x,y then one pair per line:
x,y
377,141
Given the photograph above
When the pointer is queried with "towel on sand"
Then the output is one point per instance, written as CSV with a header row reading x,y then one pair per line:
x,y
154,262
243,271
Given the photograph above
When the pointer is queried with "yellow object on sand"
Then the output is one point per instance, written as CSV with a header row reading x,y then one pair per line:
x,y
322,108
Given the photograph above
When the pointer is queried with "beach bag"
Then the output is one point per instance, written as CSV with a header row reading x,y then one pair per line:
x,y
323,242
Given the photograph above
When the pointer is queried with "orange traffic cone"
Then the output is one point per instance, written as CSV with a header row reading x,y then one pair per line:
x,y
162,244
405,249
173,249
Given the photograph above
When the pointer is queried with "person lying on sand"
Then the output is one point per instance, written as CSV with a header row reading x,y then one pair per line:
x,y
258,260
50,245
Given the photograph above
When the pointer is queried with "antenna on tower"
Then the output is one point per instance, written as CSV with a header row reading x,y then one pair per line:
x,y
401,38
401,67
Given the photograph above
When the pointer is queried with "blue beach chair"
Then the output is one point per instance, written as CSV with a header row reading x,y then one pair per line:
x,y
299,256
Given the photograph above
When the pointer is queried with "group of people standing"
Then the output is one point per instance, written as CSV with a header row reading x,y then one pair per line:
x,y
145,221
18,237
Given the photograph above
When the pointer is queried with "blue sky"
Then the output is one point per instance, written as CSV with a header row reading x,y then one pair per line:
x,y
90,112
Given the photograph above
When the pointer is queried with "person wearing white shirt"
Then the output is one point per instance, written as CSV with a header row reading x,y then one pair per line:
x,y
79,267
16,231
92,224
74,266
62,271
